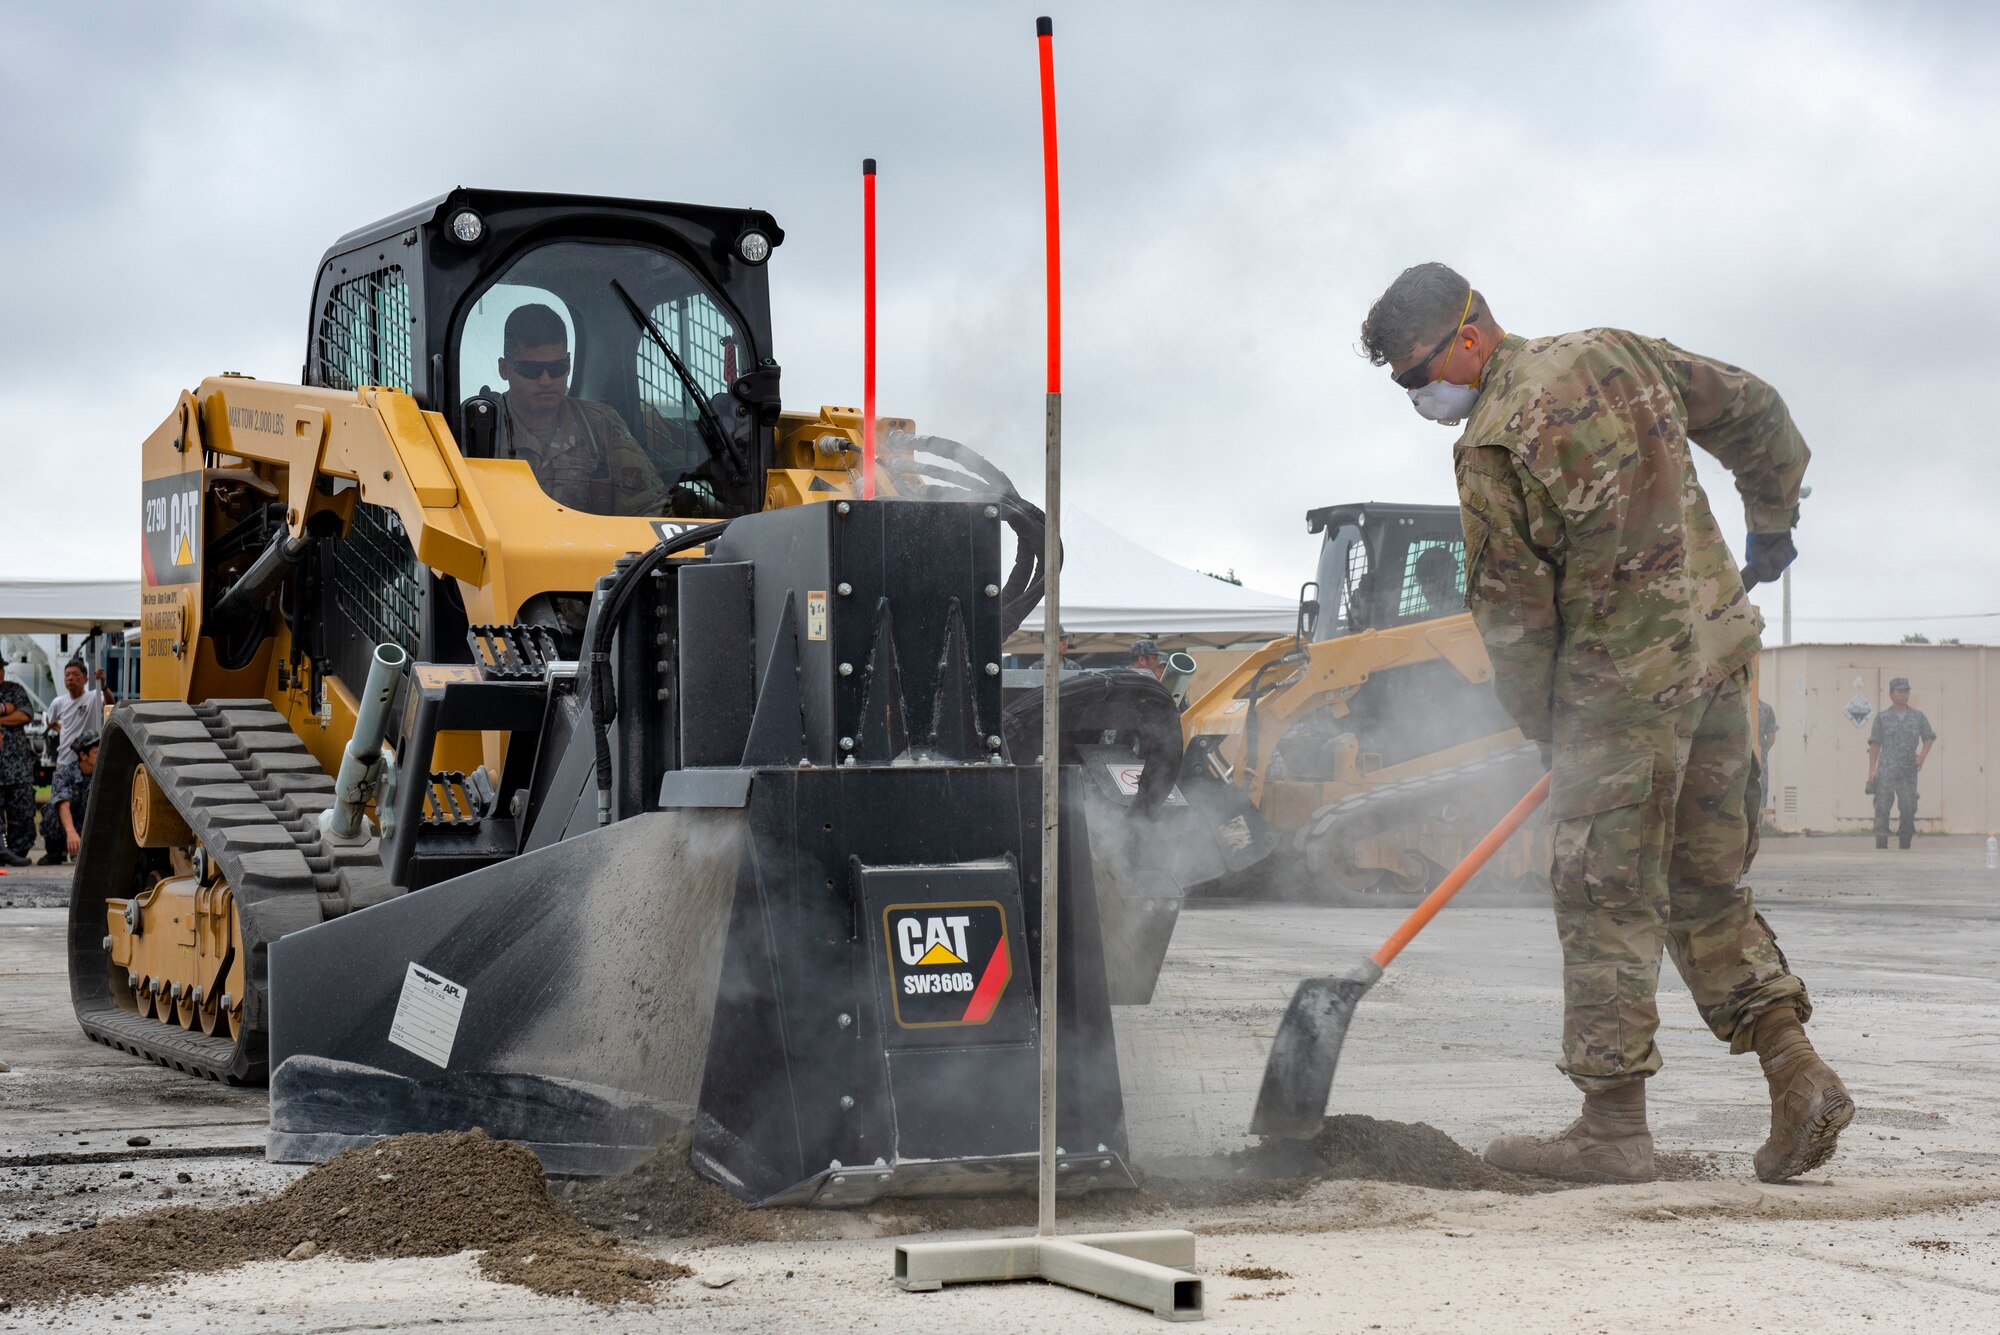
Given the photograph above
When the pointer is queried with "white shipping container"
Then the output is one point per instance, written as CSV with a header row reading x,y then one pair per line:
x,y
1826,697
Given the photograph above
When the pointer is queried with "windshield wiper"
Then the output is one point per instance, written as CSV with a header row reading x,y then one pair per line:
x,y
721,447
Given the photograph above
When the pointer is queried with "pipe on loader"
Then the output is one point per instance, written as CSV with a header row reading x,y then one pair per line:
x,y
361,763
1179,671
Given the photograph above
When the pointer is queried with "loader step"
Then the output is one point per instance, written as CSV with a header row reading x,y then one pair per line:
x,y
451,802
512,653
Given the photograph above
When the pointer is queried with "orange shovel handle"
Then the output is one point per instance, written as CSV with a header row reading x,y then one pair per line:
x,y
1460,874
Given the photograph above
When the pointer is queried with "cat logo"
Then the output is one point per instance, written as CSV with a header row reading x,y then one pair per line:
x,y
171,551
949,963
669,529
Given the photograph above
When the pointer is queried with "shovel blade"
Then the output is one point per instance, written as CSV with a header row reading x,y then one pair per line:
x,y
1298,1076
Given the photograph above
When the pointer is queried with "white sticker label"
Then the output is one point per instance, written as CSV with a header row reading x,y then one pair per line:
x,y
1127,778
815,614
427,1015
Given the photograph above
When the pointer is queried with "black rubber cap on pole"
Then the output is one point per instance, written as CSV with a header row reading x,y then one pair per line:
x,y
1045,27
867,166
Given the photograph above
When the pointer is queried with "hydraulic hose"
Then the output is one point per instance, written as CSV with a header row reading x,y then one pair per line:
x,y
975,478
611,611
244,600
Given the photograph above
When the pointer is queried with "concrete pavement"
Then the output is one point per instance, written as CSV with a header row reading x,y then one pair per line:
x,y
1898,1232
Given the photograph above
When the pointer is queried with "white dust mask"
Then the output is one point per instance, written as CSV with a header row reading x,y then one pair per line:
x,y
1442,401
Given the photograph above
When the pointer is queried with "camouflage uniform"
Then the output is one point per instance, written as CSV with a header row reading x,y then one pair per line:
x,y
1620,634
70,785
17,773
1897,732
589,461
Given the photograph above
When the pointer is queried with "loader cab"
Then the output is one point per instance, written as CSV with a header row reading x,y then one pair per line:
x,y
420,302
659,395
1387,565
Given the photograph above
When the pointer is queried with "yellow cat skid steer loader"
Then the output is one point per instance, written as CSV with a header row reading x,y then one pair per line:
x,y
538,732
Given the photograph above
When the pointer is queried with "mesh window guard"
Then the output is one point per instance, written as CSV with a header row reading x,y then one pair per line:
x,y
703,339
364,332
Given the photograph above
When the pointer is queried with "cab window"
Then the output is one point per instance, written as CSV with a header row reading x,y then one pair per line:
x,y
560,364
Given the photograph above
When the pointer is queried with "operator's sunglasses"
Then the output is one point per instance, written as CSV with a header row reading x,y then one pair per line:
x,y
1415,377
527,370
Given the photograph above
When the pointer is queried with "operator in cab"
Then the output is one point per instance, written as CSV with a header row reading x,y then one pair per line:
x,y
583,455
1437,580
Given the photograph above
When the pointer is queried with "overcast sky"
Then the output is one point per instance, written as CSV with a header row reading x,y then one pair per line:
x,y
1805,189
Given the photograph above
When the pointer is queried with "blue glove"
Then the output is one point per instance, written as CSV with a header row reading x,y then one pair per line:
x,y
1765,556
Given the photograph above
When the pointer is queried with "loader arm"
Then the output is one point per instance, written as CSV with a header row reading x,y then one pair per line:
x,y
458,512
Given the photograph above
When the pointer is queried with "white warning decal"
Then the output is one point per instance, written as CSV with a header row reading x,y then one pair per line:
x,y
427,1015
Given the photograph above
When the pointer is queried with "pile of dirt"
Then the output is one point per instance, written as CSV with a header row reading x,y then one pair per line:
x,y
665,1197
416,1195
1415,1154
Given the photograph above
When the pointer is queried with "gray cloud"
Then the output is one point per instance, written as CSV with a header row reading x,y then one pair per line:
x,y
1803,189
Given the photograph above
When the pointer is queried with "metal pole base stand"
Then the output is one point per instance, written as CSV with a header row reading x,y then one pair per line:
x,y
1148,1269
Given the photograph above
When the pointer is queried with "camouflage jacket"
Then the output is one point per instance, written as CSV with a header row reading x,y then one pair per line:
x,y
1898,732
17,758
70,785
1594,568
589,461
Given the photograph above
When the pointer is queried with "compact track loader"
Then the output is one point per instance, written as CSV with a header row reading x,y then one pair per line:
x,y
539,732
1366,754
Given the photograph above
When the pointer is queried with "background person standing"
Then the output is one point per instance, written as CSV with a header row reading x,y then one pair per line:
x,y
17,773
1144,656
1897,746
75,714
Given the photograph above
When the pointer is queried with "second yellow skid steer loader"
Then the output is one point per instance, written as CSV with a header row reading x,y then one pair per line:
x,y
1367,752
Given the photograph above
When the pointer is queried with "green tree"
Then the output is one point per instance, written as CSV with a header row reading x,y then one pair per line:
x,y
1229,578
1916,637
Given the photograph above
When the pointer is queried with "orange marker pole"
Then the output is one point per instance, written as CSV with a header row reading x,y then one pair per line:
x,y
867,329
1051,630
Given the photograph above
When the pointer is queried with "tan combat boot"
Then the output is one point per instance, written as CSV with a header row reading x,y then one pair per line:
x,y
1809,1105
1609,1143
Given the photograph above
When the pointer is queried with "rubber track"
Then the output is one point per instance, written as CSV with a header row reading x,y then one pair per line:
x,y
252,794
1372,814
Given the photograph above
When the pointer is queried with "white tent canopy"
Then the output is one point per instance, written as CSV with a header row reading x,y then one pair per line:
x,y
1114,591
53,587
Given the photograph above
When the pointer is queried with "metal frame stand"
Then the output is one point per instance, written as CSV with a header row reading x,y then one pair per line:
x,y
1149,1269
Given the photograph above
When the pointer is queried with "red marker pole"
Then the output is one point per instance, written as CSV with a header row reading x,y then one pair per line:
x,y
1051,633
868,329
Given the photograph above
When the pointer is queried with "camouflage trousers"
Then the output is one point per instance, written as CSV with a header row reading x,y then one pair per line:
x,y
17,816
1654,827
54,841
1902,790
